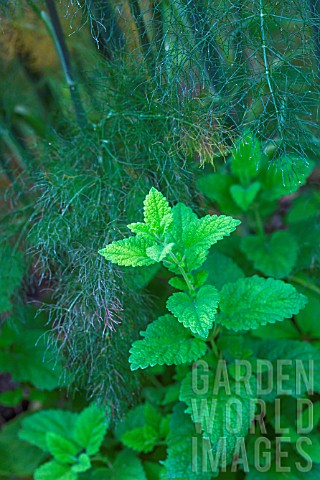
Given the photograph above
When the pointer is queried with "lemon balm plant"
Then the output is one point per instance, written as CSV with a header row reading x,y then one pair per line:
x,y
199,324
181,241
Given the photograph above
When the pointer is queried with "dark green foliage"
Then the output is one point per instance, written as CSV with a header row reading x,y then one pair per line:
x,y
141,95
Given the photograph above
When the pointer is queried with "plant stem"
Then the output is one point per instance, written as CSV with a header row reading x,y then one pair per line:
x,y
305,284
259,223
57,34
296,326
53,25
214,346
216,330
183,273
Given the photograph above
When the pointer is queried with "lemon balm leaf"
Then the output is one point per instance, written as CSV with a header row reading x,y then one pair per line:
x,y
198,312
206,231
166,342
274,255
130,252
255,301
157,212
90,429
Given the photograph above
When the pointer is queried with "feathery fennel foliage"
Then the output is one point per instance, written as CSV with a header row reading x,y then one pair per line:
x,y
165,87
222,67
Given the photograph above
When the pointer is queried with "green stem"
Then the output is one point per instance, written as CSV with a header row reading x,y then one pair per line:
x,y
102,458
214,347
305,284
212,339
55,31
259,223
296,326
183,273
216,330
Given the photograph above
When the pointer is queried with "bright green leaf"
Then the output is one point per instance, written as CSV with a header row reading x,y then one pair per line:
x,y
36,426
142,439
62,449
90,429
200,278
197,313
83,464
244,196
178,283
193,236
54,471
208,230
182,217
167,342
159,252
142,229
193,257
130,251
245,158
157,212
255,301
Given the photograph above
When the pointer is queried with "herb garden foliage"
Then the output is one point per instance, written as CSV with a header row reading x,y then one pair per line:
x,y
181,241
70,187
222,66
158,89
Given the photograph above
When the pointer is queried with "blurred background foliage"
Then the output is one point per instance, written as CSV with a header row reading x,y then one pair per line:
x,y
102,99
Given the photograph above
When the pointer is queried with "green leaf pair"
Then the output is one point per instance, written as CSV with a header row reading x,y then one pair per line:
x,y
175,236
